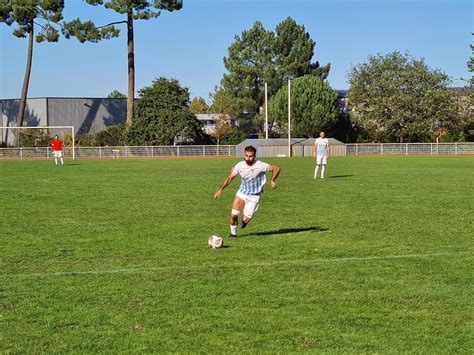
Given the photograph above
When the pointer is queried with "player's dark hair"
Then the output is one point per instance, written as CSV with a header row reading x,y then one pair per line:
x,y
251,148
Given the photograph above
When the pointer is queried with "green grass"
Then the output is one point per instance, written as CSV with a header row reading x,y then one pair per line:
x,y
111,256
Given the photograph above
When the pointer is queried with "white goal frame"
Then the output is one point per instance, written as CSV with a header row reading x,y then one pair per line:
x,y
47,127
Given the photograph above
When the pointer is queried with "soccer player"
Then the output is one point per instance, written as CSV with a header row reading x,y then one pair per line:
x,y
321,153
253,178
57,145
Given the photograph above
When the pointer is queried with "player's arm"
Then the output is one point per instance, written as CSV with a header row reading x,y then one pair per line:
x,y
275,170
226,183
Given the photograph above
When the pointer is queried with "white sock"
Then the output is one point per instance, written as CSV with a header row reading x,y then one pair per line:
x,y
62,161
56,161
322,170
233,230
316,171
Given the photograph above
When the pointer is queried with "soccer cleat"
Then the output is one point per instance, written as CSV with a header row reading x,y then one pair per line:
x,y
243,225
322,177
230,236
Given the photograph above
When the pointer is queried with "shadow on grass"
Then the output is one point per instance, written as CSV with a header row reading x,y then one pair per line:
x,y
339,176
289,231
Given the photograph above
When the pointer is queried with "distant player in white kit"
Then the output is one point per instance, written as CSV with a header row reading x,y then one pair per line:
x,y
321,153
252,173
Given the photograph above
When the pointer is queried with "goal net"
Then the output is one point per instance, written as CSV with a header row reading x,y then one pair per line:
x,y
36,141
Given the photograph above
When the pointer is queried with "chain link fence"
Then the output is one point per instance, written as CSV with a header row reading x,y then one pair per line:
x,y
122,152
463,148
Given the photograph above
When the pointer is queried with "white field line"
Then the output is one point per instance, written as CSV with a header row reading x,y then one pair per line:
x,y
237,265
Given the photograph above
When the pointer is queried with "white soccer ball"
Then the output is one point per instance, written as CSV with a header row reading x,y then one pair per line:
x,y
215,242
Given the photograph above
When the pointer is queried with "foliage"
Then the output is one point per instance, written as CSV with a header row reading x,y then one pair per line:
x,y
198,105
470,65
313,107
86,140
112,136
134,10
34,138
233,136
258,56
163,115
27,13
115,94
398,98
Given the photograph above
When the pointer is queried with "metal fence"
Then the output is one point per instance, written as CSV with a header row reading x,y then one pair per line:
x,y
122,152
462,148
230,151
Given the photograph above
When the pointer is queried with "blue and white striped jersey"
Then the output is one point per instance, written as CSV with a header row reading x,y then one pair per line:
x,y
253,176
321,146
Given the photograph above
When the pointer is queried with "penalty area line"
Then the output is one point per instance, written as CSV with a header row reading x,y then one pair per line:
x,y
237,265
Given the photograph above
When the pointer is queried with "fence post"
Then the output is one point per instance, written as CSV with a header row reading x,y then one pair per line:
x,y
203,150
47,153
406,148
178,150
381,148
455,149
100,152
21,153
357,149
431,148
126,152
152,152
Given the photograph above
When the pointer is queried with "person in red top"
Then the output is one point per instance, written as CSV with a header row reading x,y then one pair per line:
x,y
57,145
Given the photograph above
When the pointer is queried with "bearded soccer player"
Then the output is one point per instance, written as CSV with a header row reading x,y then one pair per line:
x,y
57,146
253,177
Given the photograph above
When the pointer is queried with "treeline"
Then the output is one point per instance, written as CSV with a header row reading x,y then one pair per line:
x,y
391,98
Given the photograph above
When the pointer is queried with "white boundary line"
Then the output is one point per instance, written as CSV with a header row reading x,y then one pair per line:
x,y
263,264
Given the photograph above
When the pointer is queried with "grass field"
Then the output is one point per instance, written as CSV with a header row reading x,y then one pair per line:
x,y
111,256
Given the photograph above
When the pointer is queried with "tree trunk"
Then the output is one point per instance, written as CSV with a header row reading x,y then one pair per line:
x,y
131,69
26,80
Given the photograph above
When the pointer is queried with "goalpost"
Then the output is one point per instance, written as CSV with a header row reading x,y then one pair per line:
x,y
42,133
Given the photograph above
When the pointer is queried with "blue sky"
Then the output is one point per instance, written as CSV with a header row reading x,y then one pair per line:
x,y
189,45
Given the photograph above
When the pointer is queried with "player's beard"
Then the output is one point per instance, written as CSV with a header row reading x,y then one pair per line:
x,y
250,162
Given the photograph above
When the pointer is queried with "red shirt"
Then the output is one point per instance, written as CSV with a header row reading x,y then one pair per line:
x,y
57,144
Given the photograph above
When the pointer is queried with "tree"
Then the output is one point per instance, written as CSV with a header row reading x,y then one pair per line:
x,y
249,63
135,10
258,56
163,114
115,94
26,15
45,14
313,106
112,135
398,98
294,50
198,105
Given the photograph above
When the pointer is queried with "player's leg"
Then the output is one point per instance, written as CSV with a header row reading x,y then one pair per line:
x,y
55,157
237,207
251,206
61,157
318,163
323,168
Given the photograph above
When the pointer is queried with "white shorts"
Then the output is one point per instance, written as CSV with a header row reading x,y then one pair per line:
x,y
251,203
321,160
58,153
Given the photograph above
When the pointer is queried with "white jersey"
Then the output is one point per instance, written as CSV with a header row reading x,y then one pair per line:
x,y
253,176
321,146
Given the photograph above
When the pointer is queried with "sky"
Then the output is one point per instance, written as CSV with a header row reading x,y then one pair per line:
x,y
190,44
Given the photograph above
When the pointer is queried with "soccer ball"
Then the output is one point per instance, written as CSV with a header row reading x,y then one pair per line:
x,y
215,242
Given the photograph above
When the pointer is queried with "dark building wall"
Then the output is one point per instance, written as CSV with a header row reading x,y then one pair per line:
x,y
86,115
